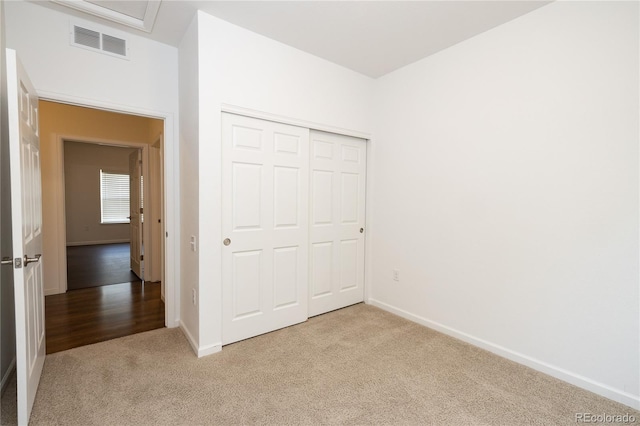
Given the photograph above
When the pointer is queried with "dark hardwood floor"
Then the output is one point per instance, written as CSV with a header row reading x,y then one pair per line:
x,y
96,265
91,315
104,300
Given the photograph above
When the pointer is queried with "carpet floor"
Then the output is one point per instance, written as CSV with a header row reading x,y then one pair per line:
x,y
359,365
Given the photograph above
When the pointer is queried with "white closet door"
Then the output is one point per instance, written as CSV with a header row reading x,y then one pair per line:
x,y
265,225
336,256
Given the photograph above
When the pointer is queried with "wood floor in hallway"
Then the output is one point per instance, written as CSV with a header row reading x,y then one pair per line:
x,y
91,315
98,264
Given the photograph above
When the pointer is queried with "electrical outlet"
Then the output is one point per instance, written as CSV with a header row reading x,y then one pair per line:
x,y
193,296
396,275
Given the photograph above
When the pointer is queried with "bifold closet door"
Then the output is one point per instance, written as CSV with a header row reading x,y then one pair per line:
x,y
265,187
337,191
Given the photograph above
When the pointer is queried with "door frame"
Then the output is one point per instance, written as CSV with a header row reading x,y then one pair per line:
x,y
156,173
61,225
171,207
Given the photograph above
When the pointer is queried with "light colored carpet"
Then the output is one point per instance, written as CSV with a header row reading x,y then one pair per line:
x,y
358,365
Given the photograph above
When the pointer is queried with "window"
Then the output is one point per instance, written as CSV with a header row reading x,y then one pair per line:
x,y
114,197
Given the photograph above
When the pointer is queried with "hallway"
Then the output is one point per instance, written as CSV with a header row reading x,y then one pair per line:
x,y
104,300
91,315
97,265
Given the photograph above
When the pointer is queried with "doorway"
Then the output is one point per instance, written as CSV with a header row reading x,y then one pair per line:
x,y
91,149
98,200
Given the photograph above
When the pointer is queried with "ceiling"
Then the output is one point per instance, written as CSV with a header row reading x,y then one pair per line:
x,y
370,37
133,8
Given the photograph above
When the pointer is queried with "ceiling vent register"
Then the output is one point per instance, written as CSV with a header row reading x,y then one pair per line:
x,y
99,42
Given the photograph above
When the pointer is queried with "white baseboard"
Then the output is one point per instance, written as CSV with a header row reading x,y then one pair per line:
x,y
7,376
200,351
209,349
190,339
552,370
95,243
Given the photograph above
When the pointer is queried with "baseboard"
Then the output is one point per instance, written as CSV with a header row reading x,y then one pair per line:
x,y
583,382
200,351
7,376
190,339
95,243
209,349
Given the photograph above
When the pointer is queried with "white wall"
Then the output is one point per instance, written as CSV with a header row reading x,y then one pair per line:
x,y
82,165
7,312
189,184
41,37
147,84
238,67
506,193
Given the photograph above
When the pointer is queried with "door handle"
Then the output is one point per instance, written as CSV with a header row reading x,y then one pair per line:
x,y
28,260
226,241
7,261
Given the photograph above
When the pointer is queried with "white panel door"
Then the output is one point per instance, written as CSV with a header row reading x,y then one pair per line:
x,y
135,216
337,191
26,217
265,223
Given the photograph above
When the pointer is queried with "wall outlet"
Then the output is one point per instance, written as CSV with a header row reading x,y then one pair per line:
x,y
396,275
193,296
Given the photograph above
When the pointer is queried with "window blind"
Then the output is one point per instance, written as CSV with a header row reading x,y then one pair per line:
x,y
114,197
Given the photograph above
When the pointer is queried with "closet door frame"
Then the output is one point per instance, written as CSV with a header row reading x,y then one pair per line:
x,y
371,152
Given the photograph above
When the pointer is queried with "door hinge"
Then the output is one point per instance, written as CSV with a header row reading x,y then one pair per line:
x,y
140,210
142,257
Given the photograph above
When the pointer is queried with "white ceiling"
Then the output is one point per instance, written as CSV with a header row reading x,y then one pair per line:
x,y
370,37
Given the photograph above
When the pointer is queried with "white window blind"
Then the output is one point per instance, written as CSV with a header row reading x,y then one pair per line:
x,y
114,197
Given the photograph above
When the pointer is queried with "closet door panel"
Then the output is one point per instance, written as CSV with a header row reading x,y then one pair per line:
x,y
265,226
337,191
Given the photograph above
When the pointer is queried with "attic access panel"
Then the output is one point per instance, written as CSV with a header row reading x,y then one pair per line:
x,y
138,14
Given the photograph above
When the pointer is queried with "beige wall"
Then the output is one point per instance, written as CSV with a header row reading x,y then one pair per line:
x,y
58,121
82,165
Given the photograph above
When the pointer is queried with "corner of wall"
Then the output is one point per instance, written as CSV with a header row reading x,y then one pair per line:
x,y
189,201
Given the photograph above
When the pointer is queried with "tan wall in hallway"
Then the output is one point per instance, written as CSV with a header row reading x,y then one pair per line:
x,y
82,165
77,123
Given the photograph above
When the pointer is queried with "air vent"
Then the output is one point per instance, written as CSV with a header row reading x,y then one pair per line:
x,y
86,37
99,42
114,45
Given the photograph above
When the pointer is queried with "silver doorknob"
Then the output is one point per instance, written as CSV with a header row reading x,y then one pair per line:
x,y
28,260
7,261
226,241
